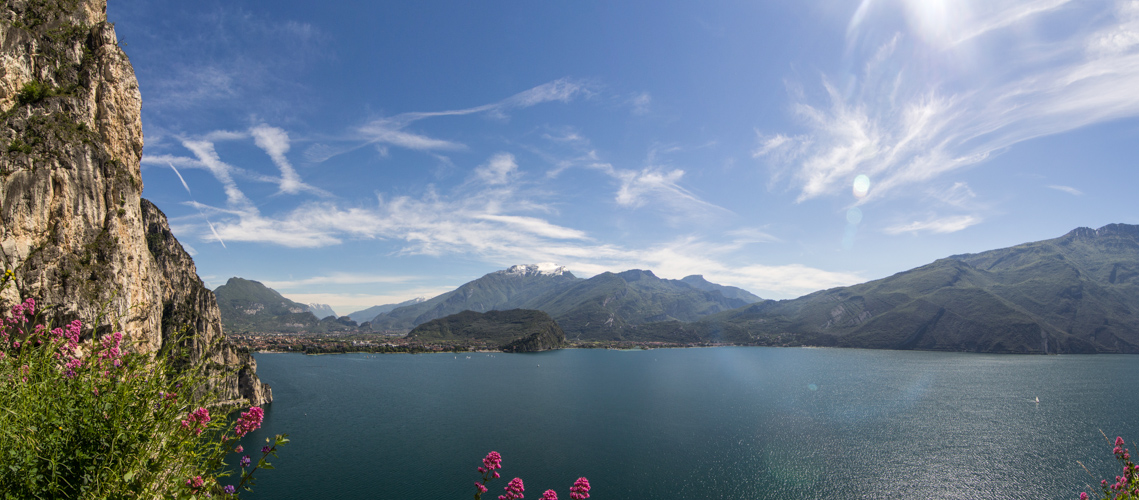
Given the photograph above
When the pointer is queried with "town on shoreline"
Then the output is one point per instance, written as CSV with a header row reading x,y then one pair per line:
x,y
397,343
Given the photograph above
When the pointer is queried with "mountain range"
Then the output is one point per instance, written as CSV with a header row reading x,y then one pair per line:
x,y
1078,293
601,307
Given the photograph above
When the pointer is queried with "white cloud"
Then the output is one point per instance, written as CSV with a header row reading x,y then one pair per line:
x,y
1068,189
391,130
275,143
498,169
338,279
935,225
641,103
900,124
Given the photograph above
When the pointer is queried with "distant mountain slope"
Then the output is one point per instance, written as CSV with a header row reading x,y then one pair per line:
x,y
610,306
321,310
601,307
1076,293
515,330
697,281
248,305
371,312
500,290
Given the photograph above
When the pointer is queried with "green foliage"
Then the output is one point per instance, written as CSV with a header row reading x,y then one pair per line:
x,y
33,92
520,330
18,146
247,305
86,420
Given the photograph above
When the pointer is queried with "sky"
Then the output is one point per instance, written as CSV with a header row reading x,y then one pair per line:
x,y
356,153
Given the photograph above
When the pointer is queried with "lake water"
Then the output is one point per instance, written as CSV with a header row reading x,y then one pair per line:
x,y
716,423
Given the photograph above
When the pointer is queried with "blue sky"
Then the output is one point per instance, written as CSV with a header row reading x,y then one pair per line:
x,y
362,153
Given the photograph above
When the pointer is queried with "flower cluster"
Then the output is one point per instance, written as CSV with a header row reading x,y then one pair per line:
x,y
249,421
580,489
1125,486
196,421
195,483
112,352
514,489
16,323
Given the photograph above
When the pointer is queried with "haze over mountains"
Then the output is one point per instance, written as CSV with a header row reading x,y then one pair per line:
x,y
1073,294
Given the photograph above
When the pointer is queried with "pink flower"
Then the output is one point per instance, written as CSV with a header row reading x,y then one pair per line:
x,y
550,495
249,421
197,419
239,449
1119,440
482,489
580,489
513,490
492,461
195,483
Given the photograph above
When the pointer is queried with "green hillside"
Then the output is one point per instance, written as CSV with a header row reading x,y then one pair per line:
x,y
516,330
1077,293
249,306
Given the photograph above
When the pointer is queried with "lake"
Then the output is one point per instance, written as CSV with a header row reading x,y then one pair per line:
x,y
712,423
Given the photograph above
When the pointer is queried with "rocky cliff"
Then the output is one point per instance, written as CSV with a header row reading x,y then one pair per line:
x,y
75,228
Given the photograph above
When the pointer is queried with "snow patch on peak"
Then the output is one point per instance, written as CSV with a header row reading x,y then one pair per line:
x,y
540,269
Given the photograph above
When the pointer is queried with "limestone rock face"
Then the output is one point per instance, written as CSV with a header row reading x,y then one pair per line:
x,y
75,228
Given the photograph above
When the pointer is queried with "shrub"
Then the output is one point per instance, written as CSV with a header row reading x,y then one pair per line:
x,y
33,92
81,417
1125,486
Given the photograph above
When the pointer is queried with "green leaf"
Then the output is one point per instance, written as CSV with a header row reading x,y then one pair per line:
x,y
128,476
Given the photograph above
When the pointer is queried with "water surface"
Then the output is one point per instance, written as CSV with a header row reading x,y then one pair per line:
x,y
717,423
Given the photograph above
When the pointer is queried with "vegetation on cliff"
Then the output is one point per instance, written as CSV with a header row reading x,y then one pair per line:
x,y
84,417
516,330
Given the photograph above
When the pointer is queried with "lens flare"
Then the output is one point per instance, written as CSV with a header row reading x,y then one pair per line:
x,y
861,186
854,216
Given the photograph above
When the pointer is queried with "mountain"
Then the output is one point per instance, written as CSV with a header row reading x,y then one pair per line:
x,y
75,230
698,282
508,289
610,306
321,310
1078,293
249,306
371,312
516,330
603,307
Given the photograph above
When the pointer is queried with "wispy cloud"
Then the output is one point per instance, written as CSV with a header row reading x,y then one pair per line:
x,y
275,143
498,169
392,130
641,103
1068,189
901,123
950,224
338,279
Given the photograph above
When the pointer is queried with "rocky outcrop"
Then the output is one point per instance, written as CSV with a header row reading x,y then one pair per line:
x,y
189,307
75,228
516,330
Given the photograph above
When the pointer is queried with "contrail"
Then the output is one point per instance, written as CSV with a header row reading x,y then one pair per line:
x,y
179,174
215,231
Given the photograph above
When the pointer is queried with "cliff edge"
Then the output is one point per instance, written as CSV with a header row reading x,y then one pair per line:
x,y
75,229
